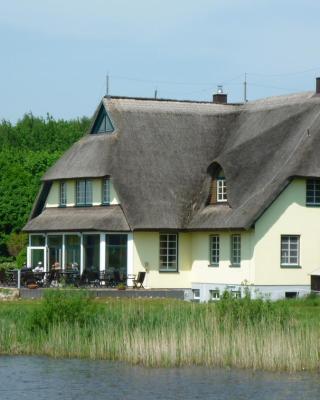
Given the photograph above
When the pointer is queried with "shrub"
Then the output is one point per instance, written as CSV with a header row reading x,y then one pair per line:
x,y
71,307
16,242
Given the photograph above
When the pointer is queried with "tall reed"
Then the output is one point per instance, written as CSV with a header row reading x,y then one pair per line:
x,y
163,333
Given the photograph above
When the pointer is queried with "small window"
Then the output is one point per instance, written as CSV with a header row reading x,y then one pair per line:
x,y
313,192
196,294
63,194
235,250
290,248
236,294
214,250
214,294
221,190
168,252
84,192
291,295
106,191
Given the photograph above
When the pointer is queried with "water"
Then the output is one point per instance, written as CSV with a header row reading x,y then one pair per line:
x,y
40,378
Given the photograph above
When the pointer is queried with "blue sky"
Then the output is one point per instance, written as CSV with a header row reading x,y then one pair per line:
x,y
55,54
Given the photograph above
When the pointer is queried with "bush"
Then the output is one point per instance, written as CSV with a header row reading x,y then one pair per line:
x,y
21,258
251,311
71,307
16,242
7,265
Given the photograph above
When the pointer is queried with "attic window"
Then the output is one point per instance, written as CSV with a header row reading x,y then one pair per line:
x,y
102,123
218,189
221,190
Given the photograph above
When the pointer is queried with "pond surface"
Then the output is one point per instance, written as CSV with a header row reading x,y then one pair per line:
x,y
40,378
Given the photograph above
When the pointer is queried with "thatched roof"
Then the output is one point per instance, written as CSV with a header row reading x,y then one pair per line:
x,y
106,218
160,152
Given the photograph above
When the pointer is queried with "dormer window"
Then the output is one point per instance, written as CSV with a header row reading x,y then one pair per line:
x,y
218,188
102,123
221,190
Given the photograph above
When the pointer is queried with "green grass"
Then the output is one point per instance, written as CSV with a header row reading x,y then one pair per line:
x,y
245,333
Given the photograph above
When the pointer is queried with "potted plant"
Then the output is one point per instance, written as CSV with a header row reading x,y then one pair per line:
x,y
121,286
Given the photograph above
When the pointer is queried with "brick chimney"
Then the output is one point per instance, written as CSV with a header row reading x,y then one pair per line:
x,y
222,98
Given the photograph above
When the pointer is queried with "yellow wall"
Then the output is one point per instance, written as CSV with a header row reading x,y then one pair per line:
x,y
146,257
193,260
224,273
53,197
287,215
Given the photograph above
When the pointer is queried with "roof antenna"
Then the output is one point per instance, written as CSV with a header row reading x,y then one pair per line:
x,y
156,93
245,100
107,84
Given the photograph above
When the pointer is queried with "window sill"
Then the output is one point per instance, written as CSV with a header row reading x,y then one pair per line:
x,y
105,204
312,205
234,266
287,266
168,271
213,265
83,205
62,206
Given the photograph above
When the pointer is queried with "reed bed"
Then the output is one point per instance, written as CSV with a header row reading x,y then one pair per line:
x,y
244,333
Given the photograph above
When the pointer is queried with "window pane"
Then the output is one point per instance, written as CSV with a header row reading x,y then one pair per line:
x,y
63,193
37,258
37,240
55,251
91,245
313,192
88,192
168,251
72,251
235,249
106,191
80,195
214,249
290,249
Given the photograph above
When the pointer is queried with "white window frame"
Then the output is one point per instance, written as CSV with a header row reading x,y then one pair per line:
x,y
221,190
63,194
286,243
164,247
313,192
214,250
236,249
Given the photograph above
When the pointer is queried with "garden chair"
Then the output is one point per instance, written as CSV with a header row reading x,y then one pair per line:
x,y
138,283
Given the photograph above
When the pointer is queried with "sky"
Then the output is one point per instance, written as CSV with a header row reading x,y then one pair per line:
x,y
55,54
